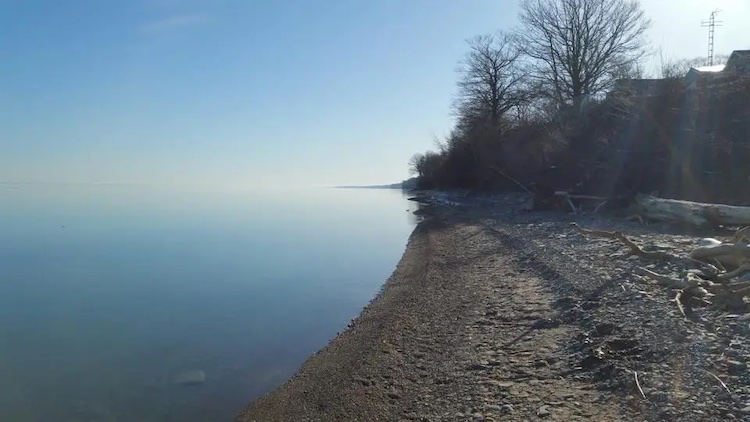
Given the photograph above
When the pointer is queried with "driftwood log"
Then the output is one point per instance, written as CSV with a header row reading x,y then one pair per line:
x,y
725,284
695,214
569,199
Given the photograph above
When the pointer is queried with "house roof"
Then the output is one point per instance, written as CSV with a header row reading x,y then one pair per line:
x,y
714,68
739,60
743,53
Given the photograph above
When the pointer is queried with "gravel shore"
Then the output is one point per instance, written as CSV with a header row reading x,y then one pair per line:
x,y
494,315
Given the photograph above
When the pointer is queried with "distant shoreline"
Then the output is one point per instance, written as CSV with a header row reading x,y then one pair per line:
x,y
406,185
370,187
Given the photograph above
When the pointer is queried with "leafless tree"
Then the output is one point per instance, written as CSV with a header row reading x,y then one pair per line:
x,y
577,47
425,165
632,70
490,83
415,164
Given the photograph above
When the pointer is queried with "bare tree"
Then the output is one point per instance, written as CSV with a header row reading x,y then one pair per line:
x,y
577,47
426,166
490,81
416,163
631,70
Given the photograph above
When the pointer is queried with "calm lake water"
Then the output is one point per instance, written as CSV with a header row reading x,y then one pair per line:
x,y
107,293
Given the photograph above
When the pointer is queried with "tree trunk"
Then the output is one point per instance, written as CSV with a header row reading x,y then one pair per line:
x,y
692,213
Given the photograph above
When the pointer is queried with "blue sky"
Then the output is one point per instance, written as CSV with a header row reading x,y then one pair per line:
x,y
242,93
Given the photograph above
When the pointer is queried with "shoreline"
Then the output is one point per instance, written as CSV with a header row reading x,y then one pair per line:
x,y
426,348
312,392
495,315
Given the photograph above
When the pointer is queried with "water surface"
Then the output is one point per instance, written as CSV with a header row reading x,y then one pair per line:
x,y
107,293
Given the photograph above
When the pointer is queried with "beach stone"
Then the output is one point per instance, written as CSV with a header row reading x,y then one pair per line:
x,y
192,377
736,367
708,242
477,366
542,412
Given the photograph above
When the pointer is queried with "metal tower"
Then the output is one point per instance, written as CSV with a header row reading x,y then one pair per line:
x,y
711,23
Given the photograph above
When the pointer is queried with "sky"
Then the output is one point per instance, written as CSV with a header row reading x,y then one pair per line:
x,y
256,92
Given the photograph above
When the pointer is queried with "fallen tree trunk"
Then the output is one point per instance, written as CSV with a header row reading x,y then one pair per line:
x,y
734,255
700,280
693,213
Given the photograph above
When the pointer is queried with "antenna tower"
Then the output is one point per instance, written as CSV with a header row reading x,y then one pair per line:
x,y
711,23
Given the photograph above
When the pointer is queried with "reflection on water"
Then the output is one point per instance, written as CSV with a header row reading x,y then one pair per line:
x,y
109,293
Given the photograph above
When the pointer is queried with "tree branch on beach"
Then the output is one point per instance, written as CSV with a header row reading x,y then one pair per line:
x,y
701,280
